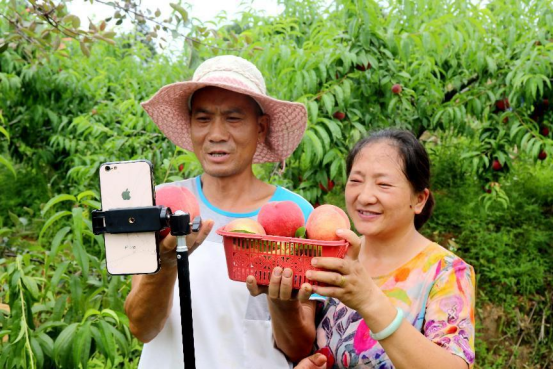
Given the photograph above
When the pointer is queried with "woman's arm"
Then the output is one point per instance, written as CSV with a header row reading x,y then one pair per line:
x,y
407,347
349,282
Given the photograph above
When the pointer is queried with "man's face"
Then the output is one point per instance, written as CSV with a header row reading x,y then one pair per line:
x,y
225,128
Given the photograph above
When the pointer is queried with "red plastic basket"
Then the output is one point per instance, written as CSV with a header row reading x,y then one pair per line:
x,y
257,255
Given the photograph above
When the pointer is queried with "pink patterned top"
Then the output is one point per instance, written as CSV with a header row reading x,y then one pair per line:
x,y
435,290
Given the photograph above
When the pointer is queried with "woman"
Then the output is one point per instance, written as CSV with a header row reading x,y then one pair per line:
x,y
397,300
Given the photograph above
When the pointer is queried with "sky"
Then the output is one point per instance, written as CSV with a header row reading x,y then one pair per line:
x,y
204,10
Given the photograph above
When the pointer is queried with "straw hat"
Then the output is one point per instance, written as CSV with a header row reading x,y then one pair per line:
x,y
170,106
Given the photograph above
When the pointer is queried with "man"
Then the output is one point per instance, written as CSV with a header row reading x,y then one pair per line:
x,y
226,118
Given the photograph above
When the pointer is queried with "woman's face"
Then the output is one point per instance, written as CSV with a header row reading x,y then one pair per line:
x,y
379,198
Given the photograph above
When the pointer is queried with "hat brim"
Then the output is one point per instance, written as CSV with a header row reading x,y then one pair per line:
x,y
168,108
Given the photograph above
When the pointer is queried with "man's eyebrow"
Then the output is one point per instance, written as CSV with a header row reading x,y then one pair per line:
x,y
233,111
201,111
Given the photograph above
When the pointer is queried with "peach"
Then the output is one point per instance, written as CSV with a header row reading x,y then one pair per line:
x,y
245,225
281,218
177,198
324,221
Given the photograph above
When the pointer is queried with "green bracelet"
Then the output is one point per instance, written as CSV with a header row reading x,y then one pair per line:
x,y
389,330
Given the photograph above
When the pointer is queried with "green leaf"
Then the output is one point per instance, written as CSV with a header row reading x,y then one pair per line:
x,y
391,106
57,199
334,168
317,146
44,327
492,67
46,342
107,340
96,204
63,346
86,194
60,271
85,50
183,13
15,219
78,248
313,111
8,165
83,341
322,69
73,19
334,128
323,134
110,313
56,242
330,156
5,133
328,101
300,232
31,286
339,93
37,352
89,313
52,220
121,341
346,88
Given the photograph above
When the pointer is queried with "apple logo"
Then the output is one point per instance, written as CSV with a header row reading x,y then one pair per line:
x,y
126,195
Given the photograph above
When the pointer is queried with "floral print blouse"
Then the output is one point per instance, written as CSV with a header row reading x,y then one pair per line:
x,y
435,290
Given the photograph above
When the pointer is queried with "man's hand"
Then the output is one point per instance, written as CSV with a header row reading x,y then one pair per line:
x,y
280,287
168,245
315,361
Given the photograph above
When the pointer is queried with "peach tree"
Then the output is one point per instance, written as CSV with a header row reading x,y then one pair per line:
x,y
481,72
478,71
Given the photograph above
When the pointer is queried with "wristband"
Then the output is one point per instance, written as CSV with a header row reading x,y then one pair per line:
x,y
390,329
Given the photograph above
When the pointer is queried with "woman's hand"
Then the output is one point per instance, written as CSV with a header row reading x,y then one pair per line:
x,y
347,278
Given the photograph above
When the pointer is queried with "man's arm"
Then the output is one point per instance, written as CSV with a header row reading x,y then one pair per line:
x,y
294,328
292,314
149,303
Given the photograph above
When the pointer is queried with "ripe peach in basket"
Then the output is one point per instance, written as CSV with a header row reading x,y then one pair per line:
x,y
324,221
281,218
245,225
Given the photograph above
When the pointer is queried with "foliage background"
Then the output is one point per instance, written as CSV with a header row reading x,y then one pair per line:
x,y
476,86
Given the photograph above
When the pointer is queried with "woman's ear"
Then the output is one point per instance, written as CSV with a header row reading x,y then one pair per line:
x,y
420,200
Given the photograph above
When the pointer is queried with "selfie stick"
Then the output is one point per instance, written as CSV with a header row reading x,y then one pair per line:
x,y
153,219
180,227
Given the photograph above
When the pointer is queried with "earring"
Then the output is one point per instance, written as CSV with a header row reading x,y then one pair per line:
x,y
410,206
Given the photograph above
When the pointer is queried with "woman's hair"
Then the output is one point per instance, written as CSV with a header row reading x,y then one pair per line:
x,y
416,164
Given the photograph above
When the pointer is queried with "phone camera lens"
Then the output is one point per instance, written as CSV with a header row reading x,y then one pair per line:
x,y
108,168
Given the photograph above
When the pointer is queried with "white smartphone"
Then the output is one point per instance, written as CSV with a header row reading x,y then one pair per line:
x,y
129,184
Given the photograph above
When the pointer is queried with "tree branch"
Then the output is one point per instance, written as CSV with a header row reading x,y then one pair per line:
x,y
163,25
